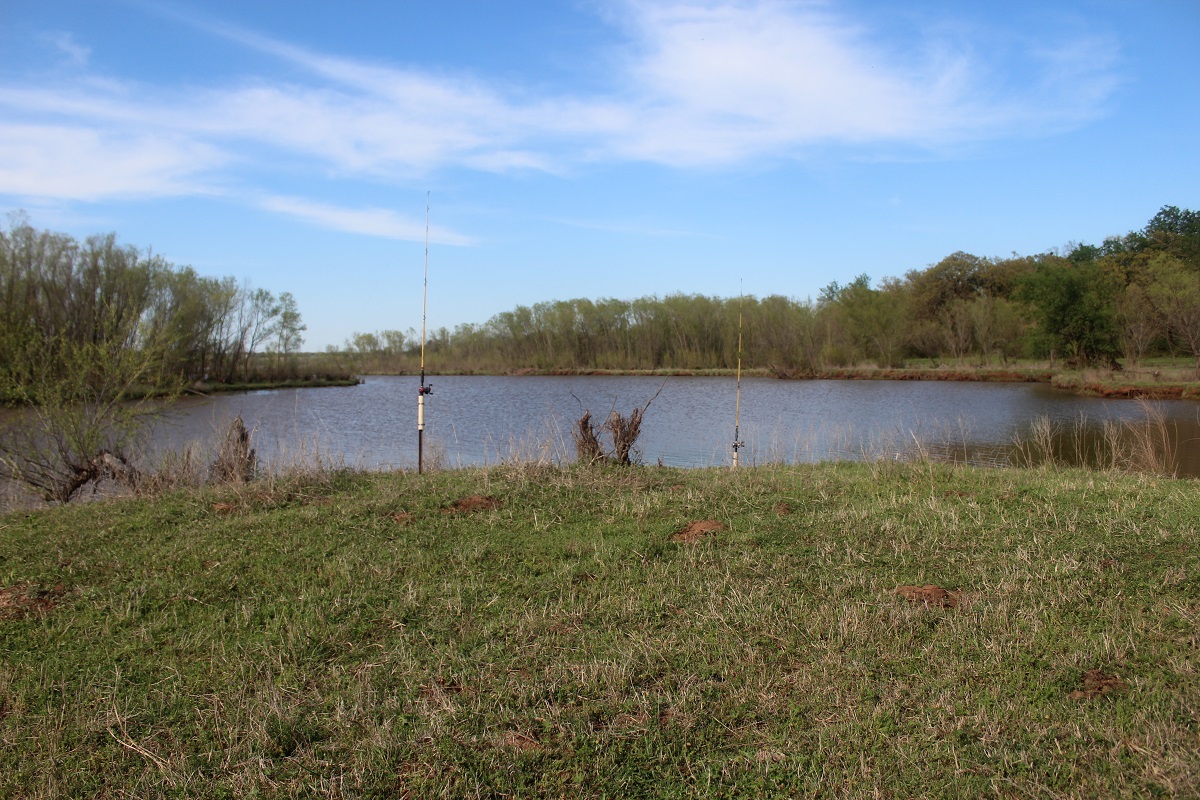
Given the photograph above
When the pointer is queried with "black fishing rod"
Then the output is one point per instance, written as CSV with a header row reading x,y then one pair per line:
x,y
738,444
423,389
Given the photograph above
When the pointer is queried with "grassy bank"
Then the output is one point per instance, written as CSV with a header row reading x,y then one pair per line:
x,y
529,632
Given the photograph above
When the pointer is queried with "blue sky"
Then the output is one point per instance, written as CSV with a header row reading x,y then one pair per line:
x,y
590,149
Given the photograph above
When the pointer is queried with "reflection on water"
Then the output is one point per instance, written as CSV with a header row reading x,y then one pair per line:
x,y
482,420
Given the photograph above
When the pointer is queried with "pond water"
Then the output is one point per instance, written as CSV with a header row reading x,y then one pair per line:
x,y
473,420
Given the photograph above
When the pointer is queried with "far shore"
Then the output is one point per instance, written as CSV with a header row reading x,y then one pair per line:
x,y
1147,382
206,388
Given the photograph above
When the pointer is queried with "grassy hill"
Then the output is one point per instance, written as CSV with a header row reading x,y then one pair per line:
x,y
853,630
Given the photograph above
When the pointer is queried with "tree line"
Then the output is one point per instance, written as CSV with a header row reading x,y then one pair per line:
x,y
1130,297
66,302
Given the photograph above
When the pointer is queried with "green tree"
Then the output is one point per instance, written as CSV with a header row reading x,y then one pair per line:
x,y
1140,322
289,327
1175,294
996,326
957,328
955,277
877,318
1074,306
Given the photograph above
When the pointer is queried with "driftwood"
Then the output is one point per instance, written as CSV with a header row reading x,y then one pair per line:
x,y
62,486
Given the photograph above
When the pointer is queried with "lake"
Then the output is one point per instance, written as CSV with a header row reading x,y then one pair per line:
x,y
472,420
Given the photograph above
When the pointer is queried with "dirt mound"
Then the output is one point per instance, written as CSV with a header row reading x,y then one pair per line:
x,y
524,742
23,600
476,502
931,595
695,531
401,517
1097,684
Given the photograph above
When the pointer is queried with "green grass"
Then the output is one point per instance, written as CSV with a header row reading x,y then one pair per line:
x,y
296,639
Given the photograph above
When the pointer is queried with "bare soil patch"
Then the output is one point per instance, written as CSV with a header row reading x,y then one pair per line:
x,y
931,595
402,517
476,502
667,716
25,599
1097,684
441,687
783,509
523,742
567,626
695,531
768,755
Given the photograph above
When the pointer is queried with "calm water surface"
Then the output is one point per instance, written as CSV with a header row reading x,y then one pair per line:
x,y
483,420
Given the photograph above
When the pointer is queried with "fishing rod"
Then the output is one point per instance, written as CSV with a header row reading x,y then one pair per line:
x,y
423,389
738,444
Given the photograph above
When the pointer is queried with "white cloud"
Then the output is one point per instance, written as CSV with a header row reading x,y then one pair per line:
x,y
370,221
718,82
49,161
700,84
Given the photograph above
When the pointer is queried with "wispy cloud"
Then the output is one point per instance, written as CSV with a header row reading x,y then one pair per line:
x,y
82,163
719,82
698,84
370,221
634,228
75,54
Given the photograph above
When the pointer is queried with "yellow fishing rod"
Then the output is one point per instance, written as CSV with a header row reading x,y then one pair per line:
x,y
423,389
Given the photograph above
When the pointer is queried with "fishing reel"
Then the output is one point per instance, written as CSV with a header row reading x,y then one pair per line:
x,y
423,390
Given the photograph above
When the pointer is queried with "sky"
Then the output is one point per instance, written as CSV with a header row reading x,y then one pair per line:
x,y
590,149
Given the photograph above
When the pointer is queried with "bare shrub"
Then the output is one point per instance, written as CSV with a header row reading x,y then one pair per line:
x,y
236,461
587,440
623,432
85,406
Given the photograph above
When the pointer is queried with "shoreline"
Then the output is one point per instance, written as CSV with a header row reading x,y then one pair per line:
x,y
200,389
1073,382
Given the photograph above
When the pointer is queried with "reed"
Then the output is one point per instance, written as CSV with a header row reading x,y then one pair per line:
x,y
1149,445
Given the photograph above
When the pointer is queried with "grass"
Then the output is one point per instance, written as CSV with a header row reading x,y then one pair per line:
x,y
370,635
